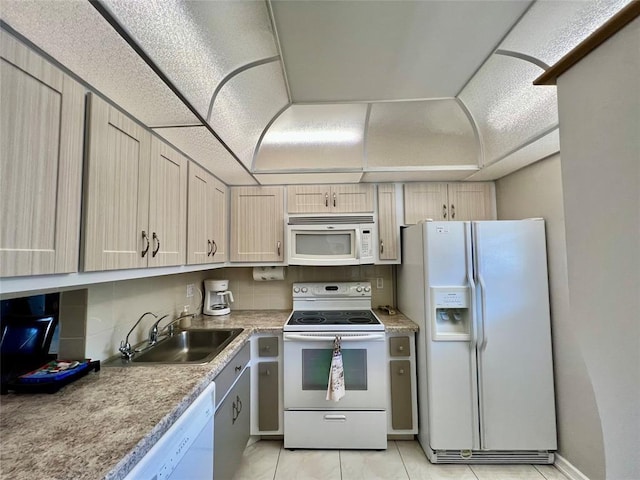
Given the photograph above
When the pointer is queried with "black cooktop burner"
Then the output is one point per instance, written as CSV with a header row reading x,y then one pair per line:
x,y
309,320
333,317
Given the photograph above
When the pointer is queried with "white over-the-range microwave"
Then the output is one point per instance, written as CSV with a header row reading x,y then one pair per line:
x,y
336,240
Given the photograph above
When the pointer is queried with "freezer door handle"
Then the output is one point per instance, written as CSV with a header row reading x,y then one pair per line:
x,y
483,289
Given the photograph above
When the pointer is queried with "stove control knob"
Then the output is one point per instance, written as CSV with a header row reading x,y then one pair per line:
x,y
358,289
305,289
367,289
296,290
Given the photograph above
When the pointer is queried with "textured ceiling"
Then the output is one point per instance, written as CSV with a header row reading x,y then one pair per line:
x,y
325,91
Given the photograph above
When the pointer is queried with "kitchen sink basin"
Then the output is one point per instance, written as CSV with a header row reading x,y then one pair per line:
x,y
185,347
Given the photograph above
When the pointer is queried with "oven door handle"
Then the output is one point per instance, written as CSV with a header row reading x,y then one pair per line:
x,y
329,338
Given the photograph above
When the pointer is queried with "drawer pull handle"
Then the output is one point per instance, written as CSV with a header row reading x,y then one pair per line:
x,y
401,348
401,371
238,368
336,418
156,240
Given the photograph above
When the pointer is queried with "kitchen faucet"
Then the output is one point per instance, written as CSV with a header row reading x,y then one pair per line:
x,y
154,332
125,347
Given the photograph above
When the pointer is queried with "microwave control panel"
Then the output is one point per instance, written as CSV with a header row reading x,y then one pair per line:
x,y
366,243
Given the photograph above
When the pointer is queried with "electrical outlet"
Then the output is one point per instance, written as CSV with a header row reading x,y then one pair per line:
x,y
379,283
190,288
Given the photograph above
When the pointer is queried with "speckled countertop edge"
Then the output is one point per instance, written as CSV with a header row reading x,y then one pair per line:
x,y
108,421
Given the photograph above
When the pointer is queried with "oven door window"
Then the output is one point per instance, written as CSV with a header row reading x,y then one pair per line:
x,y
325,244
316,363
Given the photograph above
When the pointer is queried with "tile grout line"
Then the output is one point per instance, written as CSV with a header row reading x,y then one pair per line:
x,y
340,462
275,470
402,460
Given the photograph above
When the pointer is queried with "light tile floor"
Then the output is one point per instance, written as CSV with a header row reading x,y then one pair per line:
x,y
403,460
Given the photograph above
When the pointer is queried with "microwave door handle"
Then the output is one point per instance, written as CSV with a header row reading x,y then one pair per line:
x,y
358,239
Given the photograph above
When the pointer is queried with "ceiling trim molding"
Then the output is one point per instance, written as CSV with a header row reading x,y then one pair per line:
x,y
523,56
182,125
279,47
111,20
349,102
264,132
497,47
424,168
476,131
233,73
367,117
528,142
593,41
309,170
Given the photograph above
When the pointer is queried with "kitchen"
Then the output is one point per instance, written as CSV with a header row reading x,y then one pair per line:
x,y
595,367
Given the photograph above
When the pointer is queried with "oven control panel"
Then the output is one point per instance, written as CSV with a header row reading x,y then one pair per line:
x,y
331,290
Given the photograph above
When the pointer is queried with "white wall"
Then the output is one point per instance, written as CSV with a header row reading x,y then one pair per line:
x,y
536,191
599,111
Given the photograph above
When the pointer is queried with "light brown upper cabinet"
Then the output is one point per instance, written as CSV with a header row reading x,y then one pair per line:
x,y
135,195
42,125
388,231
257,224
356,198
449,201
207,217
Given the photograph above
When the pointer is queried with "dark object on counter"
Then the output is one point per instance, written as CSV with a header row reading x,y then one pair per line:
x,y
50,377
24,344
387,308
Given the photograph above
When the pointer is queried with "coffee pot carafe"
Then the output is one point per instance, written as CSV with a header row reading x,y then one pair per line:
x,y
217,297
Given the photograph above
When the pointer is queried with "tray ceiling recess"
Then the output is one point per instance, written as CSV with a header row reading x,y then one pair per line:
x,y
279,91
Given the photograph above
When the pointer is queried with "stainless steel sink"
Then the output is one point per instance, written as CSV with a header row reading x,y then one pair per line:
x,y
184,347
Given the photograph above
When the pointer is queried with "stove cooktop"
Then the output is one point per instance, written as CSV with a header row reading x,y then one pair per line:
x,y
324,320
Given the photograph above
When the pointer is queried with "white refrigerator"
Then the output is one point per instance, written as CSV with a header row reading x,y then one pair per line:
x,y
479,292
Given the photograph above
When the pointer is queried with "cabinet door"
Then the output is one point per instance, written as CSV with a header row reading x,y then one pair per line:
x,y
41,141
351,198
167,205
117,190
268,390
425,200
199,246
218,219
308,198
472,201
257,224
231,428
401,395
387,225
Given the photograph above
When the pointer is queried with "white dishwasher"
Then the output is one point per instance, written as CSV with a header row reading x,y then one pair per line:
x,y
185,451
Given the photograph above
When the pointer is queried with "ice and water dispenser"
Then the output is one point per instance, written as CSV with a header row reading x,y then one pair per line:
x,y
451,314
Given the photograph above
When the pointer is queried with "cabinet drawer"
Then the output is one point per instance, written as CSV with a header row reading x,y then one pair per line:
x,y
268,347
335,429
399,347
228,375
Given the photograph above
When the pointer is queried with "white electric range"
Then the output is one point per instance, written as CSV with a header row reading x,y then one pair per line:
x,y
322,312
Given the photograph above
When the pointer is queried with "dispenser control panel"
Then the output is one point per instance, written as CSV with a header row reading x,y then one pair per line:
x,y
454,297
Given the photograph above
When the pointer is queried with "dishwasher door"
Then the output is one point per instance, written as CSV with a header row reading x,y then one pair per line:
x,y
185,451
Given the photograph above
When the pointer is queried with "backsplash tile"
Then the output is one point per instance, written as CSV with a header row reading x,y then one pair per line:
x,y
113,307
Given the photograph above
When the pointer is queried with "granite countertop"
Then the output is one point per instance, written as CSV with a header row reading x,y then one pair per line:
x,y
102,424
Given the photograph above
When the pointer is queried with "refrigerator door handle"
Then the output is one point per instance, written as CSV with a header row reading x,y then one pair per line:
x,y
483,289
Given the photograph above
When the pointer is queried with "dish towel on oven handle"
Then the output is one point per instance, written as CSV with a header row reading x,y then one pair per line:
x,y
335,387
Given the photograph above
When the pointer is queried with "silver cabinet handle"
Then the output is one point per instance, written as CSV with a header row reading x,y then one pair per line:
x,y
214,248
278,247
210,247
146,240
401,371
444,211
156,239
381,246
334,199
326,200
453,211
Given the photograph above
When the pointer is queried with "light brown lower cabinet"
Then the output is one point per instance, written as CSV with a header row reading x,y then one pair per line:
x,y
268,396
401,391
